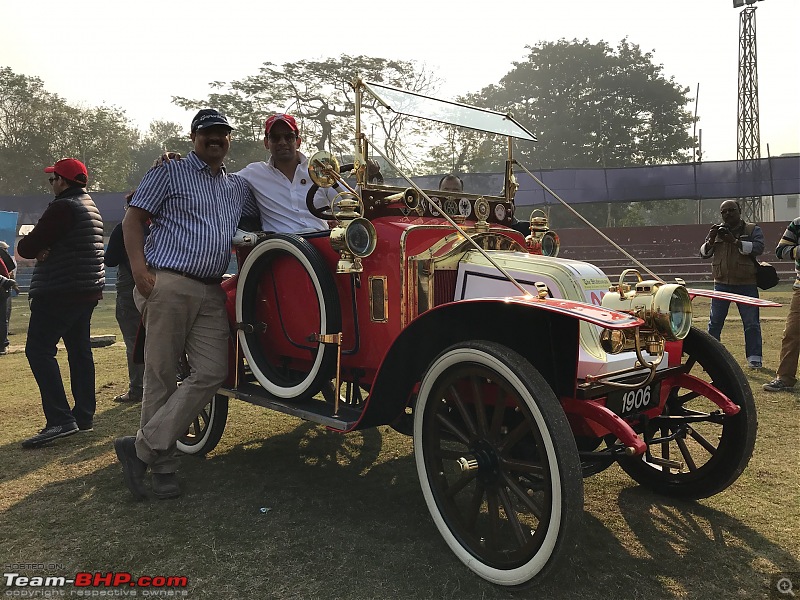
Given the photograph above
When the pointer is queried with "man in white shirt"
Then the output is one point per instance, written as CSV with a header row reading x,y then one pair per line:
x,y
281,183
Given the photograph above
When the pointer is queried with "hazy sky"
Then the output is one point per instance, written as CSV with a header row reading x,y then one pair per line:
x,y
136,55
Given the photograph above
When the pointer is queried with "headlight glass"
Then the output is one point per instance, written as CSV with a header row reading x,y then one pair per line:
x,y
360,237
672,311
550,244
680,312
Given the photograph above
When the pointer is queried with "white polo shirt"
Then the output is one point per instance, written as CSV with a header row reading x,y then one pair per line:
x,y
282,203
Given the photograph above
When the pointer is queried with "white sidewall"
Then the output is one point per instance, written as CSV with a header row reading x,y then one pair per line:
x,y
527,571
284,246
198,447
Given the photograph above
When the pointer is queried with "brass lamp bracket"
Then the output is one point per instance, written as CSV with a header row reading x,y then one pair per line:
x,y
332,338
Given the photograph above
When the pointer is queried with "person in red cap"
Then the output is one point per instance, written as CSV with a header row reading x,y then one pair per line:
x,y
282,183
67,282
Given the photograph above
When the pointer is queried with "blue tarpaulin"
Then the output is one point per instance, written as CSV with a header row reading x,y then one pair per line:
x,y
8,229
767,177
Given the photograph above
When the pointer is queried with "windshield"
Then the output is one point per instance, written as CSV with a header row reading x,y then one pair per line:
x,y
452,113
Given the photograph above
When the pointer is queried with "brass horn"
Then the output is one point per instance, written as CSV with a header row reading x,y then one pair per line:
x,y
409,196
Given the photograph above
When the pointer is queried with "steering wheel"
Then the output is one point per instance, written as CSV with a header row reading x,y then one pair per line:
x,y
324,213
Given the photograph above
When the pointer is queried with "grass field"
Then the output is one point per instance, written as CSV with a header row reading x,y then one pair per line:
x,y
287,509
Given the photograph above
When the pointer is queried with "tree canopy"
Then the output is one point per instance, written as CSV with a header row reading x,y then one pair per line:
x,y
590,105
320,94
38,128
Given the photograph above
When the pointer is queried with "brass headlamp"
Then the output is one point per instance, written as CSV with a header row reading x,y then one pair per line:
x,y
354,237
665,308
542,239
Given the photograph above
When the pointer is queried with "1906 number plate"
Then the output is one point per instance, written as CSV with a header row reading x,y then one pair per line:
x,y
626,402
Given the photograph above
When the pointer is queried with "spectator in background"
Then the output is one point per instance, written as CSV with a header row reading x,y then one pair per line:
x,y
451,183
127,314
733,244
11,267
6,285
67,282
786,376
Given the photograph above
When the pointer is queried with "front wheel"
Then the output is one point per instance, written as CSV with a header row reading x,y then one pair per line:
x,y
713,448
206,430
497,462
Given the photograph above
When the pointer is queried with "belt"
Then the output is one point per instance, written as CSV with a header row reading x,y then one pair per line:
x,y
204,280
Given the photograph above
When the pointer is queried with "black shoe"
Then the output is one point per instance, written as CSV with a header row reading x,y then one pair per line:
x,y
48,434
126,397
84,427
133,467
776,385
165,485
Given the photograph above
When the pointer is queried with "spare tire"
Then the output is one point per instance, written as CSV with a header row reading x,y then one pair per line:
x,y
288,294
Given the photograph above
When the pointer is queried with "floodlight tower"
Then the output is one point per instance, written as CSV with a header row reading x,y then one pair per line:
x,y
748,136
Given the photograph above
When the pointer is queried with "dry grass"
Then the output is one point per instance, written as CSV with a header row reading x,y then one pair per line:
x,y
345,517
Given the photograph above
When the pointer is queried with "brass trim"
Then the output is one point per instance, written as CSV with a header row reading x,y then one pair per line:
x,y
417,272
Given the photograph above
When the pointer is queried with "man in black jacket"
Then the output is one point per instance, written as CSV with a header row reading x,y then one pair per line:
x,y
67,283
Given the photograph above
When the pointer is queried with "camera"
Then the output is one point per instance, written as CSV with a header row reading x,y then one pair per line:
x,y
722,230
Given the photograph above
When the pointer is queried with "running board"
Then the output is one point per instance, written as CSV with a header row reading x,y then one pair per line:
x,y
316,411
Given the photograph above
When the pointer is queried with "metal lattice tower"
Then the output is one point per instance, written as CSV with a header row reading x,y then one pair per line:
x,y
748,137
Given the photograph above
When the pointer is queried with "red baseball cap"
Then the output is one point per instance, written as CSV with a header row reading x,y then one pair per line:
x,y
288,119
70,169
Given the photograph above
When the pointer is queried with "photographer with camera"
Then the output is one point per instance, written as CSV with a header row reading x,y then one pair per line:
x,y
732,245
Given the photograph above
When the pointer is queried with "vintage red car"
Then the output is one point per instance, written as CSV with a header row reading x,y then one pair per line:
x,y
517,374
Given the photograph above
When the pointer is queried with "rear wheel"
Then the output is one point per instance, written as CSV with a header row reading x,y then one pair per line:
x,y
714,448
497,462
206,430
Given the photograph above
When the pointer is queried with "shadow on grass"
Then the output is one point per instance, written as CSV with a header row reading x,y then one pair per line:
x,y
309,513
69,451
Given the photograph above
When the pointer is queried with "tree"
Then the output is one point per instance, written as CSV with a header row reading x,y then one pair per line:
x,y
592,105
27,112
160,136
38,127
321,95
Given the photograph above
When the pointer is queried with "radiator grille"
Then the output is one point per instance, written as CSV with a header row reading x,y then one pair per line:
x,y
444,286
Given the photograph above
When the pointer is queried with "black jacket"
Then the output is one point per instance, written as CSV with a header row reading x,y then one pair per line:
x,y
74,268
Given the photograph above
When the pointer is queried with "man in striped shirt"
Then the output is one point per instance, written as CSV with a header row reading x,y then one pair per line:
x,y
194,206
786,376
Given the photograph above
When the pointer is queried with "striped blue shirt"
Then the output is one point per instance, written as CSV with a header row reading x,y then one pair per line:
x,y
194,215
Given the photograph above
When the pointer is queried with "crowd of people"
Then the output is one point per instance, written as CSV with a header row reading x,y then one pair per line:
x,y
171,251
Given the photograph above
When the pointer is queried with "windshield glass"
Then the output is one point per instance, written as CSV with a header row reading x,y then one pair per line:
x,y
452,113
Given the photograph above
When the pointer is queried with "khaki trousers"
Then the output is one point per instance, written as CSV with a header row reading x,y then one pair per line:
x,y
180,315
790,346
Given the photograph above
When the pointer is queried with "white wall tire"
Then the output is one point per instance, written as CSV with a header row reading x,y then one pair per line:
x,y
206,430
326,317
526,456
